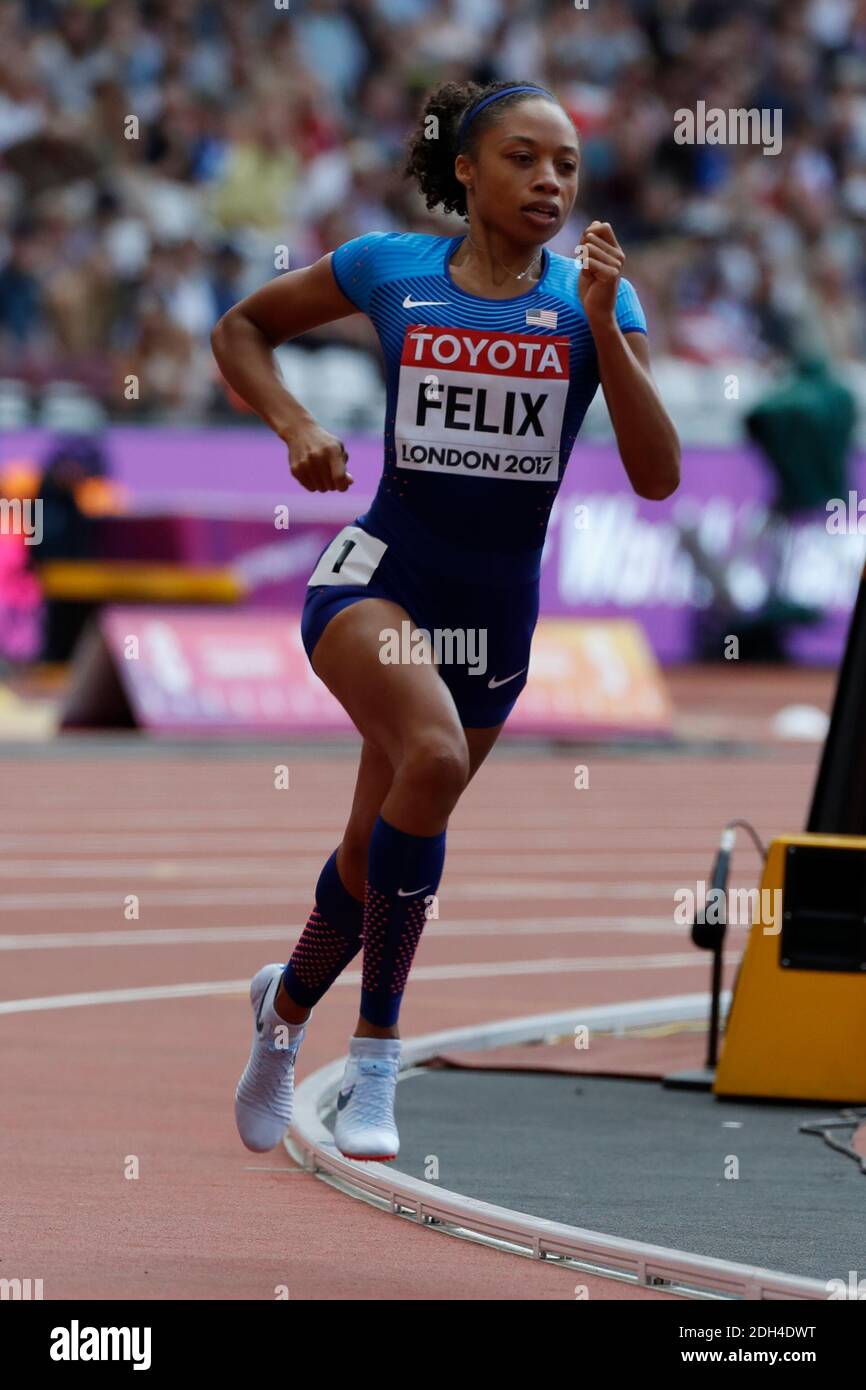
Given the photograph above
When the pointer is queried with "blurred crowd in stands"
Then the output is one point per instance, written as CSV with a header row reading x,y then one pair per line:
x,y
154,154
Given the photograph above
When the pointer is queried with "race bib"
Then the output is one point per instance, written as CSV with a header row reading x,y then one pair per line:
x,y
484,404
352,558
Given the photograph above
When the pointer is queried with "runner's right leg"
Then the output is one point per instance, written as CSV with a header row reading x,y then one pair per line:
x,y
330,940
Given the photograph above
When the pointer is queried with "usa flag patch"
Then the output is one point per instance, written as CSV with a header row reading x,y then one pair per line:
x,y
542,318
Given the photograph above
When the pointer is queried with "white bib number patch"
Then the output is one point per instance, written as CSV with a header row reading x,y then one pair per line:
x,y
352,558
483,404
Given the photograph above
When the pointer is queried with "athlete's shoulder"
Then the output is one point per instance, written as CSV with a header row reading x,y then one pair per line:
x,y
396,243
562,280
365,262
629,311
562,275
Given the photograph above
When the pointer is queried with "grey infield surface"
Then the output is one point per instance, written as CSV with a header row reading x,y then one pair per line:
x,y
632,1159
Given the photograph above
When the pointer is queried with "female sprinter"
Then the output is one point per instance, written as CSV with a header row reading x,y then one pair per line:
x,y
493,349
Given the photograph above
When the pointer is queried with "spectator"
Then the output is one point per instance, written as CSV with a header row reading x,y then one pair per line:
x,y
138,139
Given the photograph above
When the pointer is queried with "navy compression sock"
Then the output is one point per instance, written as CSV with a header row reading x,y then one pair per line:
x,y
403,872
331,938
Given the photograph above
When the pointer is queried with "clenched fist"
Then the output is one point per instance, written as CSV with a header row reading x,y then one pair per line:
x,y
602,263
317,459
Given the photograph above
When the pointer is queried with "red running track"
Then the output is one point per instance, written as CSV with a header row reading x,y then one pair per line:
x,y
553,898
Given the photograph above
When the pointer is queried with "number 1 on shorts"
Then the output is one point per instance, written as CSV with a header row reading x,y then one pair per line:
x,y
338,564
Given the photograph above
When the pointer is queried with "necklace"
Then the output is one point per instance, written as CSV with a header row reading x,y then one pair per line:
x,y
523,274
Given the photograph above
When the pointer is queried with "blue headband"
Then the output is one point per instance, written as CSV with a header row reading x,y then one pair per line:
x,y
473,111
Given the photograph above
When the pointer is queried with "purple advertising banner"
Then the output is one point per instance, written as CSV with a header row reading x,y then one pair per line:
x,y
210,496
217,670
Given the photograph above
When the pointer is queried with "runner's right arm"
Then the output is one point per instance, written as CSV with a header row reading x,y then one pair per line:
x,y
243,343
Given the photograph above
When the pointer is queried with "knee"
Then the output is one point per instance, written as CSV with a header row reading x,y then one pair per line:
x,y
438,765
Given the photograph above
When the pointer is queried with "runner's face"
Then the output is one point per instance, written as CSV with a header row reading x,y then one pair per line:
x,y
524,178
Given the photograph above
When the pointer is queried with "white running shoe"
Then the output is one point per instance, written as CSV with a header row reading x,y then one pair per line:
x,y
264,1094
365,1125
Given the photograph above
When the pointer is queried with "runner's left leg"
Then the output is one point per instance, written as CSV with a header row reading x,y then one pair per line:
x,y
332,936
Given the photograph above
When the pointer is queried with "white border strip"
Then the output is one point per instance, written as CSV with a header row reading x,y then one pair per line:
x,y
674,1271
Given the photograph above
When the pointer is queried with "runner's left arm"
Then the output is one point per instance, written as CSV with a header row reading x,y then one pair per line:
x,y
648,443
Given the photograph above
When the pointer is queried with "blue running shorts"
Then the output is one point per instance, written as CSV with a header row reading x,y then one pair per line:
x,y
480,633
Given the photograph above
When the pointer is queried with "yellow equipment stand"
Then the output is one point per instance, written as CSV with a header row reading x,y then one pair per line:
x,y
138,581
797,1023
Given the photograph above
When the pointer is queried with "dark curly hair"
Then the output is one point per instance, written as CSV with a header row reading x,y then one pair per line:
x,y
432,146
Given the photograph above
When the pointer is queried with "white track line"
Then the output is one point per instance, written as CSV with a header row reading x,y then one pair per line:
x,y
420,974
467,928
47,1003
524,891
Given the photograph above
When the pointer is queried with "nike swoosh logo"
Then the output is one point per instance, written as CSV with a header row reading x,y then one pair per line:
x,y
410,303
413,894
344,1097
493,683
259,1024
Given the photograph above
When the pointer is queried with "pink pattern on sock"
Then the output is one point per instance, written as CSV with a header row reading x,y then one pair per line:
x,y
415,920
318,952
376,912
375,917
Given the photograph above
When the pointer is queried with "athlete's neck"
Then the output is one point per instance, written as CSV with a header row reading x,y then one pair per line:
x,y
486,266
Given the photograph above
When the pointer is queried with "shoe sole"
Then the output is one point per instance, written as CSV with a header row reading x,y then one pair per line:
x,y
369,1158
